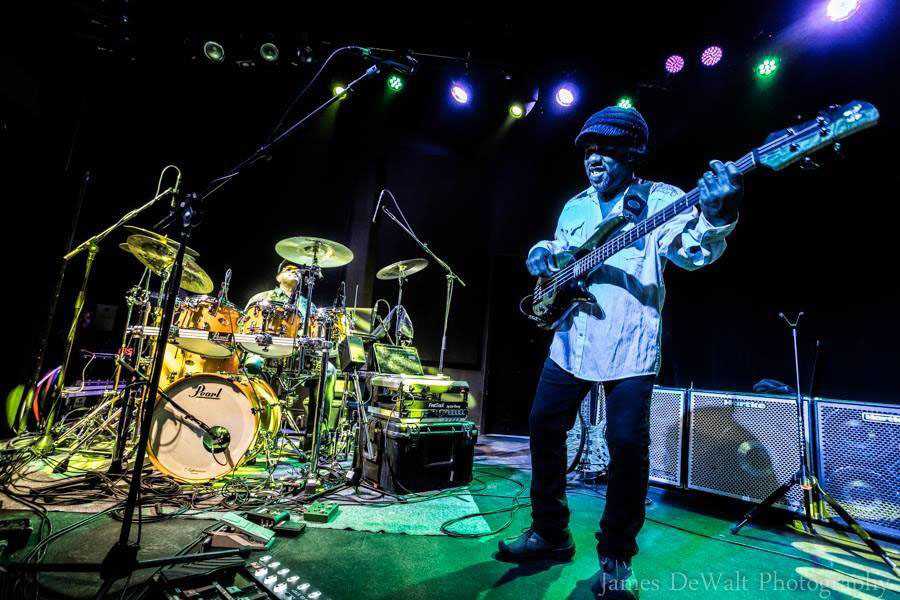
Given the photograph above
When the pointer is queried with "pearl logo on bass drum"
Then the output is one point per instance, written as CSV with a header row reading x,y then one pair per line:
x,y
200,392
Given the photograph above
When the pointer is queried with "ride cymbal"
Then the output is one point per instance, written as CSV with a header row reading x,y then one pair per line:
x,y
312,251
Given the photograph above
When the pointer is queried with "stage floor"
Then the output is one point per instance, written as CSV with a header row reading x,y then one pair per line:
x,y
686,550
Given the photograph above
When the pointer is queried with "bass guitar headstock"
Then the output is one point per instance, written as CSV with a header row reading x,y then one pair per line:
x,y
789,145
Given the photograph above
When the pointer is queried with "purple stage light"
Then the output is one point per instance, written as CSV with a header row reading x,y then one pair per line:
x,y
711,56
674,63
841,10
565,95
460,92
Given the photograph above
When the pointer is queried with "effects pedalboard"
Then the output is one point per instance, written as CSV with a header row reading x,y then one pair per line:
x,y
280,582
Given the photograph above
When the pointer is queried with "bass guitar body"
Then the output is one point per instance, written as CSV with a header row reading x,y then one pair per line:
x,y
551,302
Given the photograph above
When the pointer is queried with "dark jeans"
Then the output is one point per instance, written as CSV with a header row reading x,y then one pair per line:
x,y
556,403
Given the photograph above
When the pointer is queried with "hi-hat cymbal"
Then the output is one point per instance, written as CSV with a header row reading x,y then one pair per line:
x,y
311,251
403,268
132,230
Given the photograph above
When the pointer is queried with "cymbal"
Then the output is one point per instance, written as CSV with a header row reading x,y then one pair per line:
x,y
311,251
403,268
155,252
193,278
160,238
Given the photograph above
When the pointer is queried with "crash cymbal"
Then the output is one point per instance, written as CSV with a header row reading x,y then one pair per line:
x,y
194,279
154,252
403,268
152,260
308,251
132,230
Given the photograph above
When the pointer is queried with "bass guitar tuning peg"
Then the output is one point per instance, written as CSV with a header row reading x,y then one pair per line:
x,y
839,150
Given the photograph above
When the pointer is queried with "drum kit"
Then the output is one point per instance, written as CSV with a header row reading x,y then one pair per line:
x,y
215,414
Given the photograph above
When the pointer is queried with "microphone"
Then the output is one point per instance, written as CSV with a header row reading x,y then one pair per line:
x,y
377,206
402,62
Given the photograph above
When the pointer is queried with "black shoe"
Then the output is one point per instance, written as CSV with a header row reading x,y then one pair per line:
x,y
615,580
531,546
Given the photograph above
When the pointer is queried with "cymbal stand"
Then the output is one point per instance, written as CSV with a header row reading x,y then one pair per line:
x,y
805,476
45,444
399,310
450,275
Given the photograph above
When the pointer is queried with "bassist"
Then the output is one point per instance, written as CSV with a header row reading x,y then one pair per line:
x,y
615,338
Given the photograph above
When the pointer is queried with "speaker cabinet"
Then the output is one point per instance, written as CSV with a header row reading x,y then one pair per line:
x,y
858,461
743,446
666,434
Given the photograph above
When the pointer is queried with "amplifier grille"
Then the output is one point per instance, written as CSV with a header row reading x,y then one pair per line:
x,y
743,446
859,461
666,432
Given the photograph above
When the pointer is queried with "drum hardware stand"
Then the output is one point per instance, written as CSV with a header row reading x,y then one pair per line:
x,y
45,444
122,559
805,476
450,275
314,422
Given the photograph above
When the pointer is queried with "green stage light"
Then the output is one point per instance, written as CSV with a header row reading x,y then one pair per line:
x,y
516,110
268,52
339,90
395,83
625,102
767,66
214,51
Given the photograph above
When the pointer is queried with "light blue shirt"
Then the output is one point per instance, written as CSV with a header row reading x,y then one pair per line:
x,y
618,336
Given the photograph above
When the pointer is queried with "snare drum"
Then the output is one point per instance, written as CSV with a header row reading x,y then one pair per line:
x,y
270,318
243,411
207,314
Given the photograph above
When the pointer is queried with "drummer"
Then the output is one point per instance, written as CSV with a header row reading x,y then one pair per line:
x,y
288,277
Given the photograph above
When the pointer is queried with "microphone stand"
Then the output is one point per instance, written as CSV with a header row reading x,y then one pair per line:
x,y
450,276
45,444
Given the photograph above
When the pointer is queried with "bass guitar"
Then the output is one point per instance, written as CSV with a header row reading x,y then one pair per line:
x,y
555,297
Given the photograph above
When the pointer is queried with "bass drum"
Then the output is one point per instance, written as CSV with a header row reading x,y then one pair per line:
x,y
243,413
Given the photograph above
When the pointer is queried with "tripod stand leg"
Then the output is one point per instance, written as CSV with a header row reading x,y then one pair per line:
x,y
769,501
861,533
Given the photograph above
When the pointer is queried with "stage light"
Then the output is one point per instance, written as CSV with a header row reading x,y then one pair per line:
x,y
767,66
625,102
516,110
268,52
565,95
214,51
339,90
674,63
460,92
841,10
711,56
395,83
